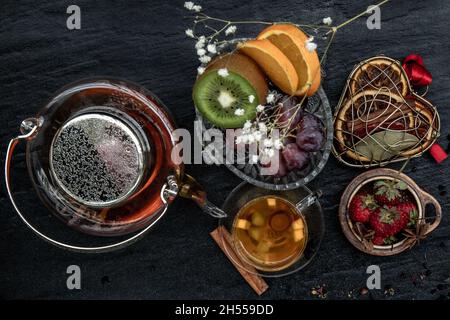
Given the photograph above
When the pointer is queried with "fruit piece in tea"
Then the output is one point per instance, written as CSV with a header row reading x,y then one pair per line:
x,y
270,233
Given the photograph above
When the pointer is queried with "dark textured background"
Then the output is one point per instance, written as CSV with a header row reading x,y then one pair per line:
x,y
144,41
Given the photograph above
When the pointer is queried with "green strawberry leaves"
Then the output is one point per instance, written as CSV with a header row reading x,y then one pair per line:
x,y
389,215
369,202
413,217
390,240
389,188
401,185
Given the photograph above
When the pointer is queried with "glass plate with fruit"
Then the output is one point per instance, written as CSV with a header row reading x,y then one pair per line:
x,y
264,96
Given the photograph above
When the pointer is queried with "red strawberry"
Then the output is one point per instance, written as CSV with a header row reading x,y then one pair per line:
x,y
361,206
389,192
410,209
388,221
378,241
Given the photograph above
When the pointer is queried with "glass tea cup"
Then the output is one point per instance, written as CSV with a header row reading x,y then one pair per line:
x,y
274,232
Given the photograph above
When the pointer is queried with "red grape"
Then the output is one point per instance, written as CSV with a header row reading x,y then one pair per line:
x,y
309,121
276,165
310,139
288,139
286,111
294,156
282,170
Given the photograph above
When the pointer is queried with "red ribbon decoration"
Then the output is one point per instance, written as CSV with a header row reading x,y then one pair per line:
x,y
416,72
421,77
438,153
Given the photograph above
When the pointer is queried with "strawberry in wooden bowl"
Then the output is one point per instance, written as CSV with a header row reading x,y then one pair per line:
x,y
382,212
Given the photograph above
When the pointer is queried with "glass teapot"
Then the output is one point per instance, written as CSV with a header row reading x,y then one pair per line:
x,y
100,157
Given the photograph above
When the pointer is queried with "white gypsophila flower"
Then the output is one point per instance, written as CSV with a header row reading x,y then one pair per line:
x,y
211,48
244,138
239,112
204,59
278,144
238,139
189,33
200,42
270,98
260,108
268,143
254,158
197,8
223,72
200,70
269,152
201,52
189,5
262,127
327,21
310,45
247,125
251,98
258,135
230,30
251,138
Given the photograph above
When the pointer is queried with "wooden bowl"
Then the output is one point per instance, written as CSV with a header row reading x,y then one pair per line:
x,y
421,197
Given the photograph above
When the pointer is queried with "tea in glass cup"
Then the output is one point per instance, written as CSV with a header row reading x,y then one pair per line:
x,y
270,233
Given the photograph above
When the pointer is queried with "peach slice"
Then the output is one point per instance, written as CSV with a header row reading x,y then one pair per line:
x,y
291,41
274,63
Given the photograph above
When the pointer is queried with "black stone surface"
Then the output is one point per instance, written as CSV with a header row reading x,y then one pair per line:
x,y
144,41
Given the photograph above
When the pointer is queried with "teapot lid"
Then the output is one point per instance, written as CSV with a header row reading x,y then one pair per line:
x,y
97,159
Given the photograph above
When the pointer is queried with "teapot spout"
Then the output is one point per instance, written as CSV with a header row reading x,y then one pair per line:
x,y
191,189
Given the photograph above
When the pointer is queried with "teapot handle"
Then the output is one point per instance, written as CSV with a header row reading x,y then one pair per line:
x,y
32,127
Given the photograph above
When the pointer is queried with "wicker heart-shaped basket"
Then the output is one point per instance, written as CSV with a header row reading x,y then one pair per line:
x,y
380,119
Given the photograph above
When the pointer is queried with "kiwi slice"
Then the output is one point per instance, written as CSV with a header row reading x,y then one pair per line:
x,y
218,97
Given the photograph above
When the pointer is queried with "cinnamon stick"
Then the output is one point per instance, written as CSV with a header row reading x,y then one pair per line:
x,y
223,239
